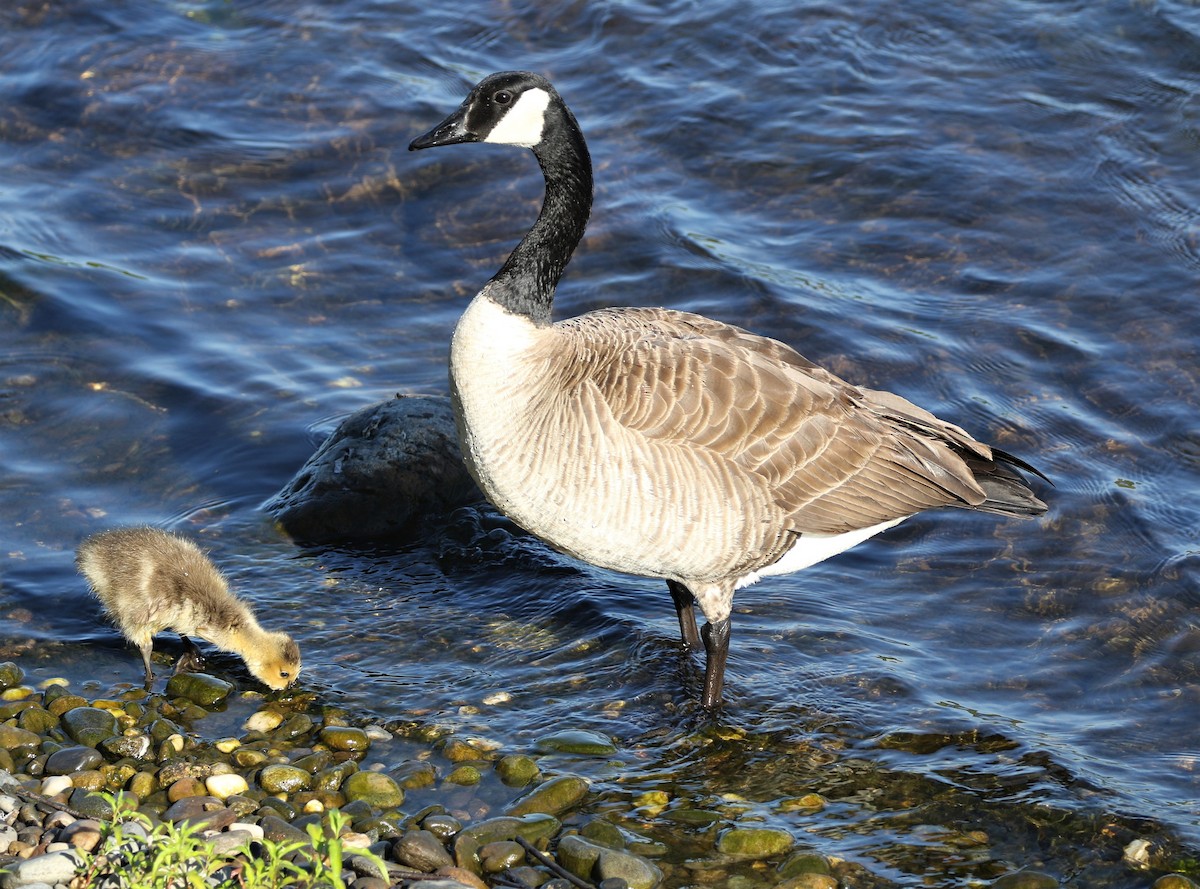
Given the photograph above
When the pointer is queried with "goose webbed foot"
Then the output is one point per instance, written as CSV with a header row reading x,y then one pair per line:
x,y
716,645
685,609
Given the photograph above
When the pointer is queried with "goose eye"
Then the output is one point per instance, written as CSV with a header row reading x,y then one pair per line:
x,y
284,674
503,97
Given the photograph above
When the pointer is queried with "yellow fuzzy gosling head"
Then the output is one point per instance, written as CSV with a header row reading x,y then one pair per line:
x,y
276,662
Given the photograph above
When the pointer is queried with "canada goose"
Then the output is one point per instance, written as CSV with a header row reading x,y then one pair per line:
x,y
665,444
149,580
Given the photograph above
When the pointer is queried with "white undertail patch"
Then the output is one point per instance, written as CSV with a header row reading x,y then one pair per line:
x,y
812,548
524,122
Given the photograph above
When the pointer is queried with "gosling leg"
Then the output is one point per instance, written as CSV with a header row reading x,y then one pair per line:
x,y
146,651
191,661
685,609
716,645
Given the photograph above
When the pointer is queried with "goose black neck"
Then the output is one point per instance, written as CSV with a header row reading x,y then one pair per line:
x,y
525,283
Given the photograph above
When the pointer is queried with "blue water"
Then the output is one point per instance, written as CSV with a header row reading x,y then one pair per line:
x,y
214,243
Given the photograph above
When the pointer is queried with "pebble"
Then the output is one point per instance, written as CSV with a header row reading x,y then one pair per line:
x,y
55,785
57,867
72,759
552,797
754,842
88,726
578,742
264,721
225,786
422,850
377,790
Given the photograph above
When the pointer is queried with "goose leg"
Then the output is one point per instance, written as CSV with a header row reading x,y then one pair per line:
x,y
685,608
716,645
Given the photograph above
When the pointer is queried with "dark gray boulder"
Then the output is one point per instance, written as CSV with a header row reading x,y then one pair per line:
x,y
385,468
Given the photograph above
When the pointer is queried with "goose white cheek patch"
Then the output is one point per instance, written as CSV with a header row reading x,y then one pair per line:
x,y
524,122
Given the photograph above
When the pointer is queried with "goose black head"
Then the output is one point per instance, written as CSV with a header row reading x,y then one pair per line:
x,y
508,108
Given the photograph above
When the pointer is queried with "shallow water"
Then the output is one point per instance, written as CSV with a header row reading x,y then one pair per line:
x,y
213,243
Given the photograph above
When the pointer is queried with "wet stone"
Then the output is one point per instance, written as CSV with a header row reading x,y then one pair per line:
x,y
52,869
809,881
37,720
132,746
805,862
414,775
72,759
466,775
10,675
13,738
279,831
552,797
1026,879
62,704
284,779
754,842
382,468
635,871
90,805
295,727
376,789
442,826
517,770
577,742
89,725
422,850
1174,881
501,855
345,738
577,855
199,688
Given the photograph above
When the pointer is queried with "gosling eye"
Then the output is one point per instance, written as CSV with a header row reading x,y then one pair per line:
x,y
502,97
284,674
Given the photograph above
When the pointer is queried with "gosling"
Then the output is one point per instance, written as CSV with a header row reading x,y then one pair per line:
x,y
150,580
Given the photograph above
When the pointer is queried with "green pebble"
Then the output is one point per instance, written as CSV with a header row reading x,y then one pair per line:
x,y
88,725
468,841
333,777
1174,881
299,725
199,688
754,842
415,775
284,779
249,758
441,825
517,770
37,720
143,784
578,742
465,775
1026,879
375,788
90,804
314,762
345,739
500,856
278,808
805,862
577,855
10,675
692,816
605,833
634,870
13,738
551,797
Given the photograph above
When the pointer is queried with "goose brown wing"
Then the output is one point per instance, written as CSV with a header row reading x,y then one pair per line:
x,y
833,457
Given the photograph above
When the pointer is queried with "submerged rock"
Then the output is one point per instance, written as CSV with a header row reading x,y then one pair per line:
x,y
382,468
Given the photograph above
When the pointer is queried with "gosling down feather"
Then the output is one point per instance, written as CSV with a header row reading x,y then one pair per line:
x,y
149,580
665,444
